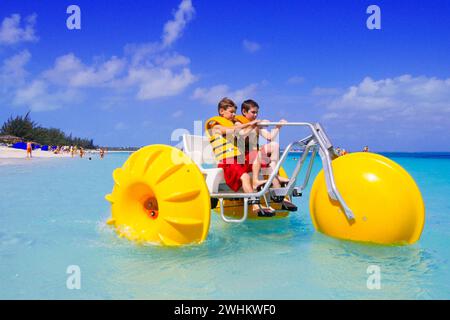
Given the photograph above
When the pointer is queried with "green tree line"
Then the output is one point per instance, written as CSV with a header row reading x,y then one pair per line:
x,y
28,130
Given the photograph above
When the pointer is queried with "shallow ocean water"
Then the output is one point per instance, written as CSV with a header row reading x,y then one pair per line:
x,y
52,215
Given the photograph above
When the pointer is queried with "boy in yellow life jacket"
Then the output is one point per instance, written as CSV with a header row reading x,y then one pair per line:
x,y
223,134
266,155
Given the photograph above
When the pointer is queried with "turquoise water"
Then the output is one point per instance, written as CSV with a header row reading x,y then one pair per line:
x,y
52,215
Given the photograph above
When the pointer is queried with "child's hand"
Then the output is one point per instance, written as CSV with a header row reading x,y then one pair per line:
x,y
282,121
254,123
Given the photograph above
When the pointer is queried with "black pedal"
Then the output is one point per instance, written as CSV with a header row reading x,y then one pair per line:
x,y
277,199
254,201
295,193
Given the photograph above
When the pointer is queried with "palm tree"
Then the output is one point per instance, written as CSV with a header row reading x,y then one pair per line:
x,y
19,126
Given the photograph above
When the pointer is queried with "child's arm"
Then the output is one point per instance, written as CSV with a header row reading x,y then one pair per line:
x,y
219,129
244,129
236,129
269,136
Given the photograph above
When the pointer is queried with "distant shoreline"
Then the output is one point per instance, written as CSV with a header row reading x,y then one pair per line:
x,y
10,155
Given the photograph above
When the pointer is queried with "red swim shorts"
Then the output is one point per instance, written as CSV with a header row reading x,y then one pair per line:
x,y
233,170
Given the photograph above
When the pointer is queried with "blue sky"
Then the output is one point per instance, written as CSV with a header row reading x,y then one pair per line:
x,y
138,70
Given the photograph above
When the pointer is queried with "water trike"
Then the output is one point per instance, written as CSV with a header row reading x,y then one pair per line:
x,y
164,195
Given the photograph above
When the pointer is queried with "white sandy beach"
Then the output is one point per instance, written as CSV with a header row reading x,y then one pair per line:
x,y
11,155
14,156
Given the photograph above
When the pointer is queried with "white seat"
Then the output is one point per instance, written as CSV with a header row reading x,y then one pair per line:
x,y
200,151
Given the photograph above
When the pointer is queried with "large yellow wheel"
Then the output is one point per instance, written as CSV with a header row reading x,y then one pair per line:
x,y
160,196
384,198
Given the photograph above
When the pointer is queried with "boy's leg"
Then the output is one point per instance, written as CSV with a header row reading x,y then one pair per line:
x,y
247,186
246,183
255,161
272,150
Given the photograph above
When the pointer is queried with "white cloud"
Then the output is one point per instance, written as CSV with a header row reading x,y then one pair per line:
x,y
38,96
149,70
174,28
12,72
139,53
11,31
405,98
296,80
215,93
172,60
251,46
68,69
159,82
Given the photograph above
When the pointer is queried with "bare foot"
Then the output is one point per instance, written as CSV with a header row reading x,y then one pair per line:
x,y
263,211
282,179
258,183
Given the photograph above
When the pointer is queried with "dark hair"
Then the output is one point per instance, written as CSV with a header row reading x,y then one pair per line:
x,y
225,103
247,104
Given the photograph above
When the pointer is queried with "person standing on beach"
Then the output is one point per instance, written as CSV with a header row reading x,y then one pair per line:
x,y
29,150
81,152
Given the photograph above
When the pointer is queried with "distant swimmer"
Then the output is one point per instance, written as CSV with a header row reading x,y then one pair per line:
x,y
29,150
366,149
102,153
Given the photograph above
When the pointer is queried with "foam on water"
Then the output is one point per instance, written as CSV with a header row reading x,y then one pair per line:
x,y
52,215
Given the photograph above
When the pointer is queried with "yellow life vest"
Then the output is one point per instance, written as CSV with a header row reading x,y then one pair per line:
x,y
222,147
241,119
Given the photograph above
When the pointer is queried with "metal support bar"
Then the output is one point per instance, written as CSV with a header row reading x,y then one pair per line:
x,y
244,217
326,152
299,166
308,173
